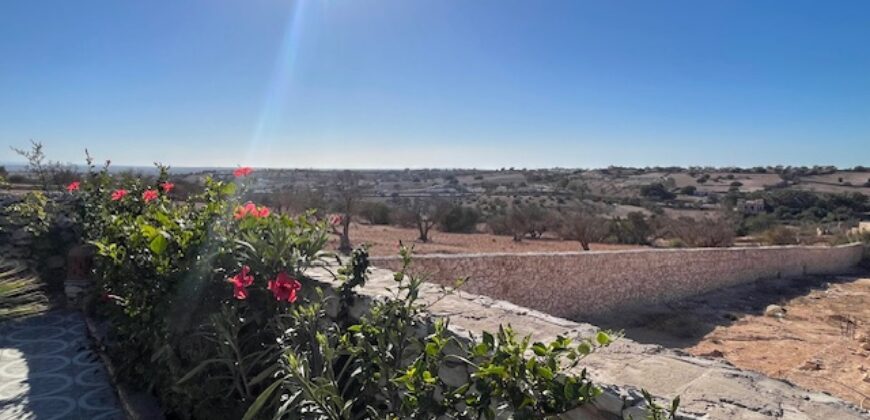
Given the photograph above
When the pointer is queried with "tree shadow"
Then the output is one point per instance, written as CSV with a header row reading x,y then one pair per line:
x,y
685,322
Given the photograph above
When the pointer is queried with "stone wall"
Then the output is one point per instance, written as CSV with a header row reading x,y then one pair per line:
x,y
574,284
708,388
46,250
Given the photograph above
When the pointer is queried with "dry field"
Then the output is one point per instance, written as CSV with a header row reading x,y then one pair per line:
x,y
821,343
384,241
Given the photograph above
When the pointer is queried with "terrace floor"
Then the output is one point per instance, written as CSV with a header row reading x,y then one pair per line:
x,y
47,370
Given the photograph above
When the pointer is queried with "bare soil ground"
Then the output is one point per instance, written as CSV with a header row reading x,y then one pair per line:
x,y
821,343
384,241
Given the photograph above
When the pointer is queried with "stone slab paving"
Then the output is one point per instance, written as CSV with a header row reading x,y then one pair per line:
x,y
48,372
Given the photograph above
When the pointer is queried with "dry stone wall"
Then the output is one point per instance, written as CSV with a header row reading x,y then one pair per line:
x,y
47,250
574,284
708,388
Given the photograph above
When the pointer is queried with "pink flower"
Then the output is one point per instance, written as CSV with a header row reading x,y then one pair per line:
x,y
263,212
149,195
335,219
119,194
243,171
73,186
167,187
240,282
285,287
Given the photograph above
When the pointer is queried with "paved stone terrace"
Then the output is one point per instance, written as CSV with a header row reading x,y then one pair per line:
x,y
47,371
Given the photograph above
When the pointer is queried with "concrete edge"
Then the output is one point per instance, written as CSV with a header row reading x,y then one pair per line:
x,y
136,405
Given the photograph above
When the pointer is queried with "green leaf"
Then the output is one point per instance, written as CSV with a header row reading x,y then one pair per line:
x,y
602,338
427,377
148,231
261,401
545,372
491,371
539,349
431,349
488,339
480,349
193,372
228,189
158,244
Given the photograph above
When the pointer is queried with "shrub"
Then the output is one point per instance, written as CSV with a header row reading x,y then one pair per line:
x,y
459,219
708,232
779,235
179,280
688,190
757,223
33,213
634,229
584,228
521,220
376,213
656,191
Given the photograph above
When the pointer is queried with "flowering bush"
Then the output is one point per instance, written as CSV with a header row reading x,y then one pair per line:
x,y
178,271
209,308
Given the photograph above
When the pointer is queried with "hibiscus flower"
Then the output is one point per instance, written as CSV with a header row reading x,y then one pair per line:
x,y
73,186
251,209
119,194
167,187
248,209
284,287
240,282
149,195
243,171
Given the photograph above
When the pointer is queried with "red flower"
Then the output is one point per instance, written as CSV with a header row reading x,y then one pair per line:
x,y
119,194
73,186
251,209
246,210
240,282
149,195
243,171
285,287
167,187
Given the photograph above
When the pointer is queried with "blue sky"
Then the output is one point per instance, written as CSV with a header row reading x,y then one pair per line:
x,y
440,83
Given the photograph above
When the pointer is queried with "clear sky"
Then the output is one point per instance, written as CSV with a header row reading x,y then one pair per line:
x,y
438,83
